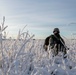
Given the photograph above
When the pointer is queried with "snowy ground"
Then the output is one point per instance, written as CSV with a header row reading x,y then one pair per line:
x,y
27,57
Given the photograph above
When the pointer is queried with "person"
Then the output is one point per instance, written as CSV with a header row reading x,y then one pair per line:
x,y
55,42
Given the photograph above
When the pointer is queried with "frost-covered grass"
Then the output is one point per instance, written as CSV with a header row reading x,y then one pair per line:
x,y
27,57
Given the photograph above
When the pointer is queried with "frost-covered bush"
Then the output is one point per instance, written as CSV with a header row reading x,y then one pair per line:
x,y
27,57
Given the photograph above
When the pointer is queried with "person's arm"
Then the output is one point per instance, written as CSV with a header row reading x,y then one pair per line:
x,y
51,43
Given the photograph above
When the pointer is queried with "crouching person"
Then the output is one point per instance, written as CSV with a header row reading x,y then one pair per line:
x,y
56,43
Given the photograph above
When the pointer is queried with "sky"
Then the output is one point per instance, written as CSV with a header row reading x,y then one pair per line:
x,y
40,16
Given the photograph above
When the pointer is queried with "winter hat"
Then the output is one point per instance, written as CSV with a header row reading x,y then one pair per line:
x,y
56,30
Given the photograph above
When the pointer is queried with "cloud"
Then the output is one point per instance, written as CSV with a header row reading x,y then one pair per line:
x,y
41,16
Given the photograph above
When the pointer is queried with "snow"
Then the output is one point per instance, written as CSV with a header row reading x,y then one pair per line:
x,y
27,57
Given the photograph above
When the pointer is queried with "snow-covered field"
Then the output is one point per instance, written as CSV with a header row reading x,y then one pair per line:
x,y
27,57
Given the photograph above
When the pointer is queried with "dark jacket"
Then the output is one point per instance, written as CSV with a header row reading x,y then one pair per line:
x,y
56,39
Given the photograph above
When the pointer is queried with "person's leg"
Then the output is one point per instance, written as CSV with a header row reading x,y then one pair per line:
x,y
64,53
56,52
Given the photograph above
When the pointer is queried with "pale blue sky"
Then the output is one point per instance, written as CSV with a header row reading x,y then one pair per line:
x,y
41,16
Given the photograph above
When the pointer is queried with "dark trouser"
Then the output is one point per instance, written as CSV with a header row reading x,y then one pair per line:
x,y
57,49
